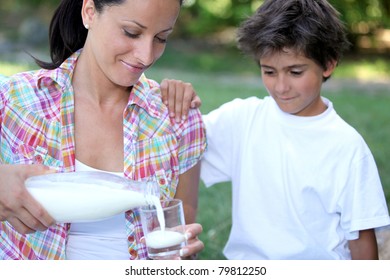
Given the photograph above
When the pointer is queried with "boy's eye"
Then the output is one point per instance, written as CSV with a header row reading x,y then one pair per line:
x,y
268,72
296,73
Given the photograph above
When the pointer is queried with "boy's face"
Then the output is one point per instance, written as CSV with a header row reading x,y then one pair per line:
x,y
294,81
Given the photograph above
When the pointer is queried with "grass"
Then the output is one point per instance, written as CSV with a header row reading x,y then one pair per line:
x,y
220,76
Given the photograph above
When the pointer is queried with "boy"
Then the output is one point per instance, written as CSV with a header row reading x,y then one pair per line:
x,y
305,184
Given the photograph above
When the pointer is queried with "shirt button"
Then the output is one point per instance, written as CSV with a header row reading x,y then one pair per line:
x,y
133,254
131,239
38,159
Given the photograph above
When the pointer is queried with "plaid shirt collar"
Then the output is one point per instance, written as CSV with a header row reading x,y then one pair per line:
x,y
139,94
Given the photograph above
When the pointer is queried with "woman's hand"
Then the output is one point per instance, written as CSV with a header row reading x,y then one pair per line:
x,y
179,97
194,245
17,206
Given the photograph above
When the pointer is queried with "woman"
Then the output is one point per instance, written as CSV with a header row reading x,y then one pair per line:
x,y
92,97
308,175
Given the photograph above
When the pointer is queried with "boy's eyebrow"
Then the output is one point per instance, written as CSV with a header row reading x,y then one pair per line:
x,y
287,67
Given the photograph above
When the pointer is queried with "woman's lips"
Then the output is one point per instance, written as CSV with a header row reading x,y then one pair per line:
x,y
134,68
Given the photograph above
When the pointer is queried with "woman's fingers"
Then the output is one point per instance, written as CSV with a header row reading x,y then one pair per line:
x,y
17,206
194,245
19,226
192,249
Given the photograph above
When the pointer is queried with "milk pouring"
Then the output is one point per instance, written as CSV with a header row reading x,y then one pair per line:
x,y
164,229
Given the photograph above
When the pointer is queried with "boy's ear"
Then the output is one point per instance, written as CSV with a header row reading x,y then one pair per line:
x,y
330,68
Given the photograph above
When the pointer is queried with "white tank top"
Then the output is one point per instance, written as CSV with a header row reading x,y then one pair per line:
x,y
100,240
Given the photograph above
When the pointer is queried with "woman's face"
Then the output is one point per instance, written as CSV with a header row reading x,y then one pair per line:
x,y
125,40
294,81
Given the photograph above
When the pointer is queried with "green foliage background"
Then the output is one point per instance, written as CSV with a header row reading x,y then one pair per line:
x,y
206,18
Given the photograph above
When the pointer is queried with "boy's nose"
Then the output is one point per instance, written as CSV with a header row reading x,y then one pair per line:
x,y
281,85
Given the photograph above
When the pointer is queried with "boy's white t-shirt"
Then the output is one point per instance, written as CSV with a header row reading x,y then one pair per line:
x,y
302,186
98,240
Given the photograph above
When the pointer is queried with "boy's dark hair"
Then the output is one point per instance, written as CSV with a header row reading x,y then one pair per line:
x,y
310,27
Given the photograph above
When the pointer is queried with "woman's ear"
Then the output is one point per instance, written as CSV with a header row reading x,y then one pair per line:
x,y
331,65
88,12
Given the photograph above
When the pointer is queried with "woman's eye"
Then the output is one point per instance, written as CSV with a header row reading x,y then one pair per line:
x,y
130,35
161,40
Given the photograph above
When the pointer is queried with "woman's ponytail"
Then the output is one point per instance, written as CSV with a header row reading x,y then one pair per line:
x,y
67,33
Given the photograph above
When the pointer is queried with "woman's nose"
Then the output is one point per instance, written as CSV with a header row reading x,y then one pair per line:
x,y
145,52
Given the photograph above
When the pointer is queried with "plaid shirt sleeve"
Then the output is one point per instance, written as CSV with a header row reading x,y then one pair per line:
x,y
192,143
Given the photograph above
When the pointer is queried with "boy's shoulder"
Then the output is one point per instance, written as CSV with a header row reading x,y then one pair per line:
x,y
237,110
244,104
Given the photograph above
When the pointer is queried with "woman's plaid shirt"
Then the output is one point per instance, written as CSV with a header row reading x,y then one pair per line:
x,y
37,126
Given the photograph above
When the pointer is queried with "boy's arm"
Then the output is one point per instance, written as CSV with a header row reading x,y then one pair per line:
x,y
365,247
187,191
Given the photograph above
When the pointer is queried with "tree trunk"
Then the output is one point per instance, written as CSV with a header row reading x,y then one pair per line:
x,y
386,8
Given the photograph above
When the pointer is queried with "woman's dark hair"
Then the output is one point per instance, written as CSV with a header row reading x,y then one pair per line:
x,y
67,33
311,27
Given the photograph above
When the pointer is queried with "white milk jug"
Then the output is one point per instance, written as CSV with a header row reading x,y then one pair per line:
x,y
89,195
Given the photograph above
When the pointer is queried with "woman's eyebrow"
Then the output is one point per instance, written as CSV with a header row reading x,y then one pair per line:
x,y
144,27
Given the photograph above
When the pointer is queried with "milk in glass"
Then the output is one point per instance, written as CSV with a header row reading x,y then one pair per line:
x,y
164,229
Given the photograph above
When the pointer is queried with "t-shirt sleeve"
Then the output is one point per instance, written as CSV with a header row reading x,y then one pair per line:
x,y
218,160
362,203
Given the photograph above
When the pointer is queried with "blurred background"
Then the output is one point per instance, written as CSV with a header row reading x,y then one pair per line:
x,y
203,25
203,51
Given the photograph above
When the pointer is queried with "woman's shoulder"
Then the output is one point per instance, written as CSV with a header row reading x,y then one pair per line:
x,y
3,80
26,78
146,84
34,89
18,82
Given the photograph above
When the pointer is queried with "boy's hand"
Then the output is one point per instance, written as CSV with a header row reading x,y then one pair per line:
x,y
194,245
179,98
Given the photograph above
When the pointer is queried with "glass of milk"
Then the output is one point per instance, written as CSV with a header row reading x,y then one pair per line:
x,y
164,229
